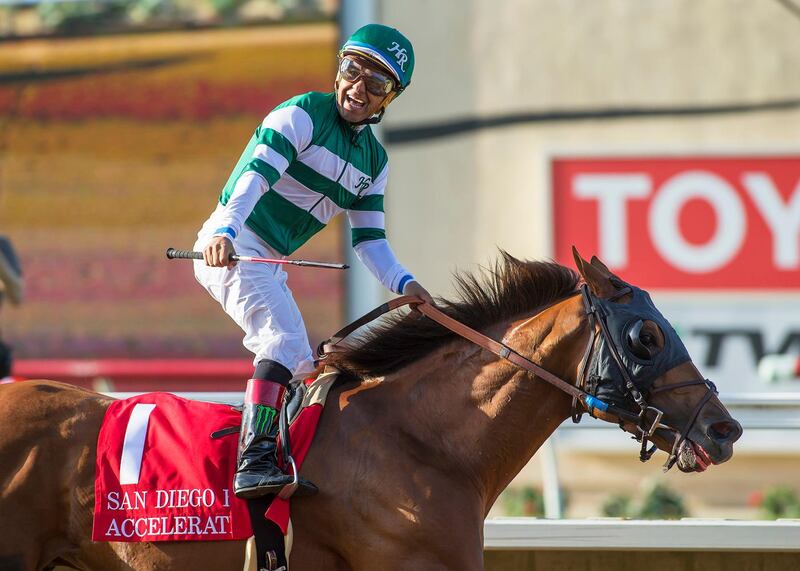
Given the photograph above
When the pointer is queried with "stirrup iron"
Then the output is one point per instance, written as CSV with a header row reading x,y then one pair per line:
x,y
289,489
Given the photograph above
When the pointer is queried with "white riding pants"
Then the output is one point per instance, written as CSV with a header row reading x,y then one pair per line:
x,y
256,296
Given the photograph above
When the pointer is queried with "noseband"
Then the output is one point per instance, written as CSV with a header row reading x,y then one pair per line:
x,y
600,348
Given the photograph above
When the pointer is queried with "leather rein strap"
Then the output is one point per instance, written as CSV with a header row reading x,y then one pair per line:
x,y
499,349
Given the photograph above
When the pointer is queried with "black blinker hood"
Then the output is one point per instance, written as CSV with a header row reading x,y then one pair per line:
x,y
606,376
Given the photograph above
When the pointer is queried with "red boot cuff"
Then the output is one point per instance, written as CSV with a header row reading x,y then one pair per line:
x,y
264,392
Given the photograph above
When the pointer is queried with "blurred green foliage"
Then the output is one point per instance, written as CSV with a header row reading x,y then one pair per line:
x,y
91,17
80,17
527,501
618,505
662,503
780,502
227,8
659,502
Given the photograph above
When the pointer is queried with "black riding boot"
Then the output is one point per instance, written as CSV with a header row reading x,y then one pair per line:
x,y
258,474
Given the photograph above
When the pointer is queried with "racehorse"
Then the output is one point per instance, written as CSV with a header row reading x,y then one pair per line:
x,y
417,440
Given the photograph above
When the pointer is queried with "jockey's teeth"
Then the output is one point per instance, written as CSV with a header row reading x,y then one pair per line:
x,y
355,102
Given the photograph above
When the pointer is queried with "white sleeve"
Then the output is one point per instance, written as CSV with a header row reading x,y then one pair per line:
x,y
379,258
248,190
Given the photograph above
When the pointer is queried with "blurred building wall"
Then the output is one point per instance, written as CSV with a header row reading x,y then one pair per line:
x,y
454,199
501,89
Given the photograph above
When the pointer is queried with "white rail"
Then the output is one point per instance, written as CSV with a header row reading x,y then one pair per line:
x,y
641,535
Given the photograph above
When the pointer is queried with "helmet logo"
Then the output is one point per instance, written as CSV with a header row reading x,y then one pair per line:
x,y
400,54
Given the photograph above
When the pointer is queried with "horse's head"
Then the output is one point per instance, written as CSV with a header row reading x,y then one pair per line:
x,y
637,364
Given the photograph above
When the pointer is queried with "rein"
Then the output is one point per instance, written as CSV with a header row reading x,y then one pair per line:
x,y
589,402
458,328
504,351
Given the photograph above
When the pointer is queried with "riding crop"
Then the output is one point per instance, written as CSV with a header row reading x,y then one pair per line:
x,y
174,254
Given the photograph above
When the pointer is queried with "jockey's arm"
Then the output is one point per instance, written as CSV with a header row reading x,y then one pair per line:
x,y
381,261
269,160
249,188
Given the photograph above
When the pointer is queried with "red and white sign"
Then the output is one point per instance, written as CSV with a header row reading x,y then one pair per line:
x,y
715,222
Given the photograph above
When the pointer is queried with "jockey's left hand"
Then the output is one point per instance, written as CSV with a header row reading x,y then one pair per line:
x,y
414,288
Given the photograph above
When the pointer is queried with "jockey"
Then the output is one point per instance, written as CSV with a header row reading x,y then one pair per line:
x,y
12,286
312,157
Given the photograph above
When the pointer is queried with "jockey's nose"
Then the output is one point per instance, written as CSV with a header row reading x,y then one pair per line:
x,y
360,86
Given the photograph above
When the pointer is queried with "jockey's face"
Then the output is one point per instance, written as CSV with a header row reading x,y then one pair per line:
x,y
359,91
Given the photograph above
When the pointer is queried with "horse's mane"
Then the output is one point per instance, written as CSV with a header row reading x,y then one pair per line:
x,y
513,288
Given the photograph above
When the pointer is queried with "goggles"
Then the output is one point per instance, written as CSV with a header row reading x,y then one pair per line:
x,y
376,82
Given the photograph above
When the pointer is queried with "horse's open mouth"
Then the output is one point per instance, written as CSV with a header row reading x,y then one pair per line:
x,y
692,457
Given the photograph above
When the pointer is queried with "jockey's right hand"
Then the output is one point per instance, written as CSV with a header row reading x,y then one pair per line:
x,y
218,252
413,287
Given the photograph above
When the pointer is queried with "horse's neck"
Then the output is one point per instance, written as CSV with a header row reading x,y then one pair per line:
x,y
490,416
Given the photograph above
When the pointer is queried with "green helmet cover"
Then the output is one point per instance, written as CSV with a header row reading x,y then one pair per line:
x,y
387,46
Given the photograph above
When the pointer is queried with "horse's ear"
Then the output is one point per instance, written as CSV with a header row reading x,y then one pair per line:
x,y
595,261
617,281
579,261
596,275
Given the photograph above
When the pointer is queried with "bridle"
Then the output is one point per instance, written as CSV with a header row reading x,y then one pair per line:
x,y
645,428
590,403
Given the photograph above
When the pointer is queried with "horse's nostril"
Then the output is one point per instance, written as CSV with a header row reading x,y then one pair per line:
x,y
725,430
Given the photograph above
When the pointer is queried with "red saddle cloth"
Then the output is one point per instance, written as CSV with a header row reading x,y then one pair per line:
x,y
161,477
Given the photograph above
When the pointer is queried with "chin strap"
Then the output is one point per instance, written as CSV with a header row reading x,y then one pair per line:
x,y
379,115
372,120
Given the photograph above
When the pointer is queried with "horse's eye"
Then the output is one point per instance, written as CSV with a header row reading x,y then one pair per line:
x,y
641,343
648,339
